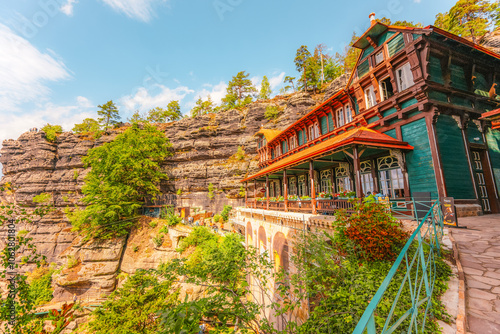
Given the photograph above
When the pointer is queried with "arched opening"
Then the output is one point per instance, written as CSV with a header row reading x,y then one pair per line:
x,y
262,240
249,234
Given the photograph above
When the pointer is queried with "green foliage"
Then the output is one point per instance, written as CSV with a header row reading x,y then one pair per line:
x,y
317,68
289,80
153,223
160,115
71,261
109,114
75,174
138,117
203,107
402,23
272,112
89,125
199,235
51,132
158,240
216,217
468,18
40,289
169,215
43,198
124,173
265,89
242,192
348,58
179,192
300,61
239,91
211,191
225,212
132,308
135,249
240,154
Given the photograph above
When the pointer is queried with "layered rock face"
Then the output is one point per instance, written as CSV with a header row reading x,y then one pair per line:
x,y
204,151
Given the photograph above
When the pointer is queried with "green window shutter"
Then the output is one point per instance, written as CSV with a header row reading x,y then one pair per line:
x,y
458,77
272,153
324,127
301,141
356,106
481,84
435,70
330,121
304,135
363,69
395,45
366,52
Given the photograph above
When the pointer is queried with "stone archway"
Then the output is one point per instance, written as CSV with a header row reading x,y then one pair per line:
x,y
249,234
262,240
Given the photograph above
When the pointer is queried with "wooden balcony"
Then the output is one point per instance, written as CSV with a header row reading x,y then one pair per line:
x,y
323,206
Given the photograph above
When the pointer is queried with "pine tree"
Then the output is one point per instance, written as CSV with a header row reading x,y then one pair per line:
x,y
239,91
87,125
468,18
160,115
289,80
109,114
203,107
301,63
265,89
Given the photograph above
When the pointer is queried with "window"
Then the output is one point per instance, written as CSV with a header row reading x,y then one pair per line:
x,y
379,57
293,142
340,117
302,186
391,177
366,177
313,131
386,88
404,77
343,179
348,115
326,181
292,186
370,97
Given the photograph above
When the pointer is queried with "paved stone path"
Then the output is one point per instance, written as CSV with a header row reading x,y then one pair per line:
x,y
479,249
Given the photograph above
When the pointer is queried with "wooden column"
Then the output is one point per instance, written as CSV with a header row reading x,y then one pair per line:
x,y
246,196
357,172
267,192
285,189
374,172
436,159
255,194
313,191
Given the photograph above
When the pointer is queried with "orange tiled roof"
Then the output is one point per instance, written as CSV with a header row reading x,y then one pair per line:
x,y
494,117
360,136
269,134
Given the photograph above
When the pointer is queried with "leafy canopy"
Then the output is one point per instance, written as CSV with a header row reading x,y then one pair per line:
x,y
203,107
469,18
89,125
125,172
51,131
265,89
160,115
108,114
240,91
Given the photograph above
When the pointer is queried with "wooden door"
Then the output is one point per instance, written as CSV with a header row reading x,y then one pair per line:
x,y
484,181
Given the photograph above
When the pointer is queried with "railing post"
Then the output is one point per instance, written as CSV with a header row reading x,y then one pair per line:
x,y
285,189
313,190
267,192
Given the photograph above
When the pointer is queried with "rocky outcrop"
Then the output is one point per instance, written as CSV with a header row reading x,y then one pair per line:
x,y
336,85
492,41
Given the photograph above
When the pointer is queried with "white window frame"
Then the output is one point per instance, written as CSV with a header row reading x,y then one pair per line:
x,y
370,98
381,89
339,115
377,60
348,114
310,128
404,77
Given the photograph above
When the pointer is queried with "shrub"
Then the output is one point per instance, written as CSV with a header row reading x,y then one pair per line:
x,y
43,198
199,235
179,192
22,233
51,132
225,212
169,215
75,174
217,217
370,231
240,154
72,261
135,249
40,290
242,192
153,223
211,190
272,112
158,240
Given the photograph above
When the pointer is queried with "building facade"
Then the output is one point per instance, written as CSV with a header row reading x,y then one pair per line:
x,y
409,121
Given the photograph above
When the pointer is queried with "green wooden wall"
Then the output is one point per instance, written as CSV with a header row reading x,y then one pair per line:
x,y
419,161
454,159
391,133
493,138
435,71
324,127
395,45
473,132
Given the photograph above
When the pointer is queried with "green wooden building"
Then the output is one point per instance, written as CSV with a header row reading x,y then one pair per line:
x,y
408,121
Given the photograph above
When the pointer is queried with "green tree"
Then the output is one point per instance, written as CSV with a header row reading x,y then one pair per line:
x,y
133,307
265,89
401,23
125,172
289,80
349,57
137,117
51,131
239,91
109,114
301,63
88,125
468,18
203,107
160,115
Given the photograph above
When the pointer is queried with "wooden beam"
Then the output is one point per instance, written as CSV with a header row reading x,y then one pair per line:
x,y
285,189
313,190
357,173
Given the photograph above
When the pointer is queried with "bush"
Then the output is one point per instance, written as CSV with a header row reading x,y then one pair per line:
x,y
198,236
51,132
169,215
158,240
272,112
153,223
225,212
40,289
216,217
211,191
370,232
72,261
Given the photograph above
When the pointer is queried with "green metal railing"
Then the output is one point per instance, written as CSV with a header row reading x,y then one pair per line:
x,y
417,258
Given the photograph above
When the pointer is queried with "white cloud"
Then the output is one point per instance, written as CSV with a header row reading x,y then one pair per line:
x,y
24,70
417,1
12,125
276,81
138,9
216,93
67,8
157,96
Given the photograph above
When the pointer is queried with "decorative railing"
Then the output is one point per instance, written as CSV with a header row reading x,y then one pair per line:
x,y
417,260
329,206
300,206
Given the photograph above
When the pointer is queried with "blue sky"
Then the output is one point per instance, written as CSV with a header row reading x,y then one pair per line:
x,y
59,59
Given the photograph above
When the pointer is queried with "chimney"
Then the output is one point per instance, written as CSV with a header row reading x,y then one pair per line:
x,y
372,18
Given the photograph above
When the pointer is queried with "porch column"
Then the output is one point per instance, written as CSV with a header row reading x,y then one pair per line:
x,y
285,189
313,191
246,196
267,192
374,172
357,172
255,194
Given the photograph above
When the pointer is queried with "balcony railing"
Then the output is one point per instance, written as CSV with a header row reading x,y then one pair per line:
x,y
323,206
